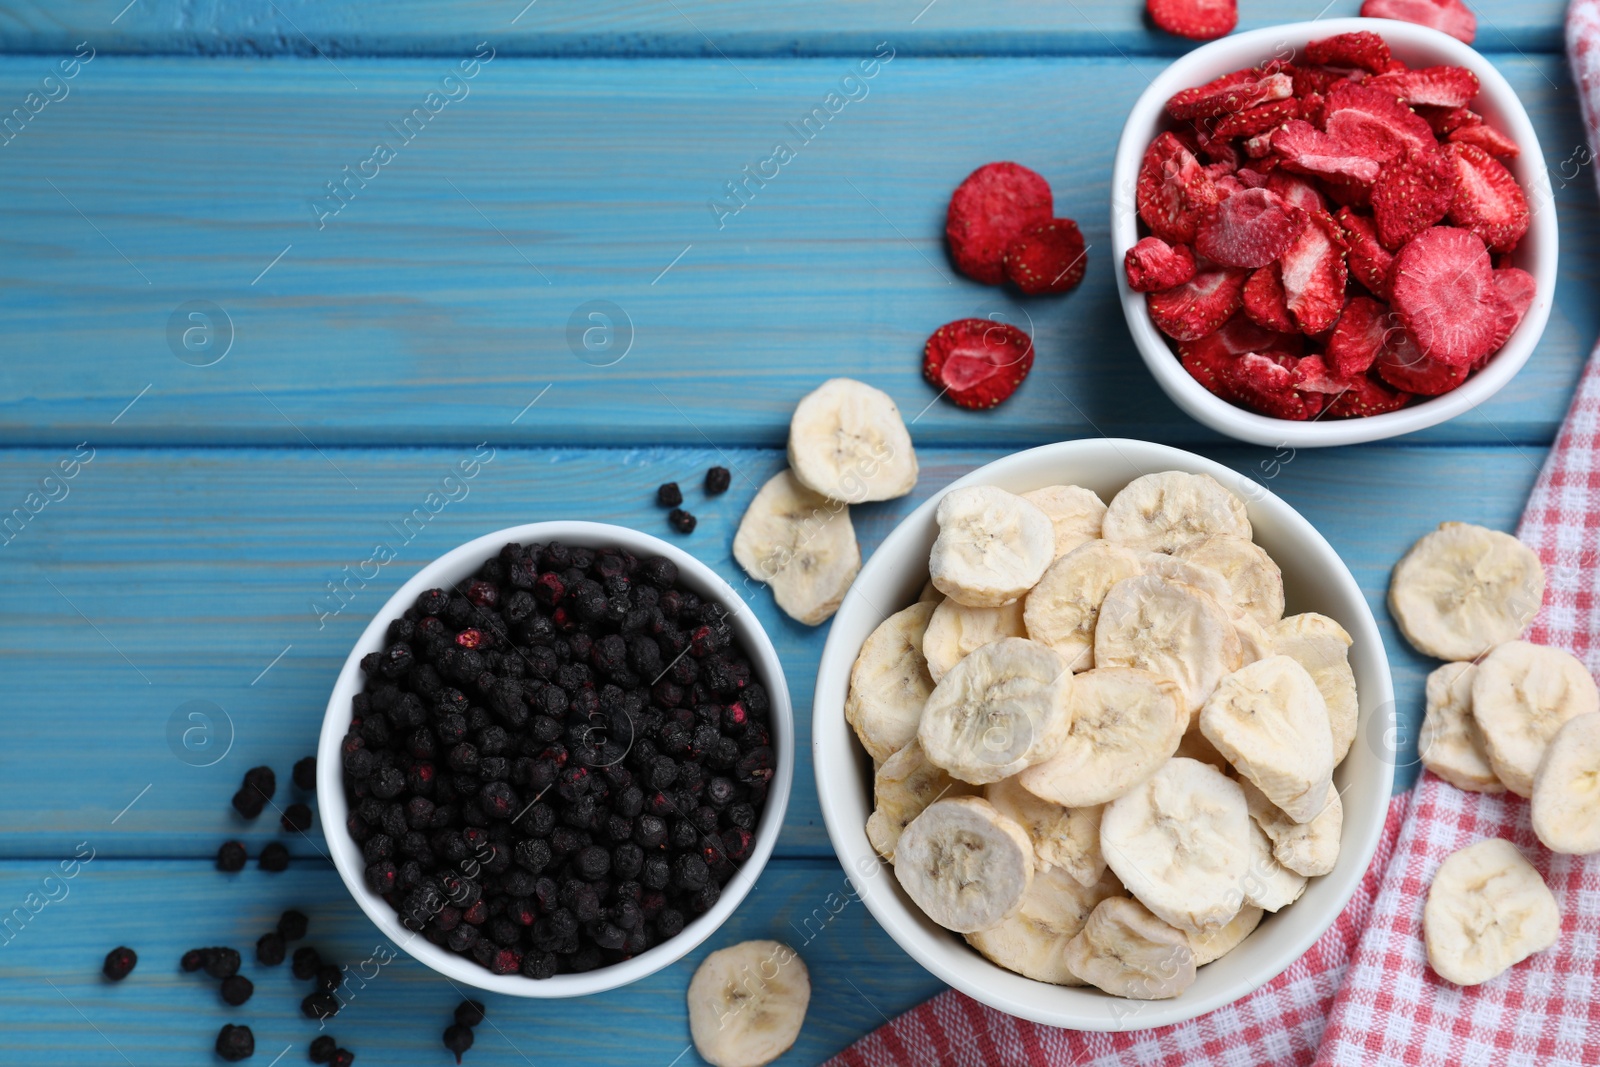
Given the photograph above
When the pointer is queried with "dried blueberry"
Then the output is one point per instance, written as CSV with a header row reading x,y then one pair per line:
x,y
235,1043
119,963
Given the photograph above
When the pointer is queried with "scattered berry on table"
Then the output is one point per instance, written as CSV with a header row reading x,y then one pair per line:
x,y
193,960
119,963
669,495
322,1049
990,207
681,520
1451,16
342,1057
458,1039
221,961
1198,20
259,785
1047,257
306,962
236,989
320,1005
296,818
292,925
274,857
329,977
305,774
717,481
977,363
469,1013
231,856
235,1043
269,949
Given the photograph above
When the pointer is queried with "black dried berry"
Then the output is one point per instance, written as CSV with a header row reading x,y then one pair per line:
x,y
119,963
342,1057
292,925
305,774
296,818
235,1043
274,857
329,978
193,960
469,1013
717,481
269,949
458,1039
320,1005
306,962
322,1049
222,962
681,520
669,495
236,989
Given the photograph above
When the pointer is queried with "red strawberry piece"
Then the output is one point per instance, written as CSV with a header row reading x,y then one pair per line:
x,y
1445,295
1189,311
1258,147
1308,81
1375,124
1364,397
1298,191
1227,185
1229,95
1488,201
1444,120
977,362
1412,194
987,211
1314,275
1265,383
1364,49
1451,16
1251,228
1487,138
1313,375
1239,335
1153,265
1252,178
1206,367
1047,257
1306,149
1174,192
1517,289
1432,86
1404,366
1370,262
1361,333
1198,20
1259,119
1222,154
1264,301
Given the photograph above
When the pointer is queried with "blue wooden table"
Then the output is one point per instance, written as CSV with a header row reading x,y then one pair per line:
x,y
251,377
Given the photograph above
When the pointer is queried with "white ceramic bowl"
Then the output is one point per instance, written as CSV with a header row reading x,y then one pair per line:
x,y
1417,46
1315,579
444,573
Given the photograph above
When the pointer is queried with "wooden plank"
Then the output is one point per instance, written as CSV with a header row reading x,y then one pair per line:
x,y
396,1016
169,576
701,28
456,285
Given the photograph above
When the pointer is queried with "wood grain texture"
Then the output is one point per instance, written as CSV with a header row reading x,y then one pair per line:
x,y
703,28
438,302
194,570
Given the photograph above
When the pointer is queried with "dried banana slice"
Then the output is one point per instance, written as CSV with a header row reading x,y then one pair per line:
x,y
1170,629
747,1003
1125,723
1271,723
964,864
1566,790
1000,710
1521,695
1322,647
1061,611
1253,578
1268,885
1065,838
1463,589
1254,643
1487,911
1208,948
802,545
1160,512
1308,848
848,442
889,683
1180,842
903,787
992,547
1128,952
1034,941
1450,743
1074,512
956,630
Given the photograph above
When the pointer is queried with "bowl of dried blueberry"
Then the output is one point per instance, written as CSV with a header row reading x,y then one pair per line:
x,y
556,760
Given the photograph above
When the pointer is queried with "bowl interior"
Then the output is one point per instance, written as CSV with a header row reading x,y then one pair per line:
x,y
1314,580
445,572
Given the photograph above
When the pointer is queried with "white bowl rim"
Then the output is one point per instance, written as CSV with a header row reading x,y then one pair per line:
x,y
444,572
1541,244
832,735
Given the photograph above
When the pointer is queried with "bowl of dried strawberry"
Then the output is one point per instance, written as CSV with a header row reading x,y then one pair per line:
x,y
1332,232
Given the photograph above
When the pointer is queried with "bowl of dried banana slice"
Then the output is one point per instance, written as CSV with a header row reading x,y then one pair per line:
x,y
1102,735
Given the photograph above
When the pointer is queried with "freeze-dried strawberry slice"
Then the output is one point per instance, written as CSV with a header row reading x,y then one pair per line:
x,y
1260,119
1229,95
1306,149
1153,265
1223,155
1174,192
1488,201
1361,333
1445,295
1239,335
1198,20
1253,178
1251,228
1314,275
1517,289
1487,138
1370,262
1404,366
1259,148
1227,185
1265,383
1364,49
1047,257
1451,16
1412,194
1189,311
994,204
1445,120
1298,191
1307,80
1264,301
1365,397
977,362
1313,375
1430,86
1373,123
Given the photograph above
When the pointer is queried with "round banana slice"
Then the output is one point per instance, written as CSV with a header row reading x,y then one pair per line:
x,y
964,864
1321,646
1253,578
747,1003
1521,695
1463,589
1566,790
1160,512
992,546
1180,842
1125,723
956,630
1208,948
1171,629
1000,710
1064,838
1268,885
1033,942
889,683
1254,643
1074,513
1128,952
1271,723
1061,611
1308,848
903,787
800,544
1450,743
847,442
1487,911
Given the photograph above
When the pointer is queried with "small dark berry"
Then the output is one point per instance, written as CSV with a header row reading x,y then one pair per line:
x,y
231,856
469,1013
681,520
222,962
669,495
236,989
320,1005
329,978
717,481
296,818
669,923
342,1058
306,962
458,1039
322,1049
305,774
269,949
193,960
120,963
235,1043
292,925
592,863
274,857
